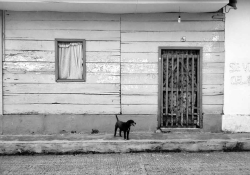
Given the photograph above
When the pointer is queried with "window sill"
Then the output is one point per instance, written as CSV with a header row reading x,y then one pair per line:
x,y
70,80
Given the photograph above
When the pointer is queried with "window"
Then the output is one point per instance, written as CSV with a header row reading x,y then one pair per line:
x,y
70,60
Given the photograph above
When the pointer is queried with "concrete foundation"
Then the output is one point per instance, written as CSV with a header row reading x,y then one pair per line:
x,y
236,123
55,124
212,123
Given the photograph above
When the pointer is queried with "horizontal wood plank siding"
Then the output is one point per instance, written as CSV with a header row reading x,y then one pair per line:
x,y
209,57
170,17
65,25
49,77
61,88
213,100
149,47
139,109
49,56
121,61
172,36
60,109
58,16
50,67
49,35
34,45
139,78
172,26
139,99
138,89
208,68
29,67
143,34
76,99
211,90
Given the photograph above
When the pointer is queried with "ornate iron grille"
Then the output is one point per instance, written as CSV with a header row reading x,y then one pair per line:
x,y
180,89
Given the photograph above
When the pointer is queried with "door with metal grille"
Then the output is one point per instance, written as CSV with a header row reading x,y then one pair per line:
x,y
180,88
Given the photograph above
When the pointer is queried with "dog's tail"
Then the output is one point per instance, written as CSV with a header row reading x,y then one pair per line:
x,y
116,118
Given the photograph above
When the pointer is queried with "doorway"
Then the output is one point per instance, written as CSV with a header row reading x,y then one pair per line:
x,y
180,93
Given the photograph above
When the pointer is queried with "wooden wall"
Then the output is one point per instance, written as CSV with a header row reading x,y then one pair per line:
x,y
141,35
122,61
29,66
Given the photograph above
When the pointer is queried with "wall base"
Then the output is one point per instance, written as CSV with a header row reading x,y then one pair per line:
x,y
236,123
212,123
56,124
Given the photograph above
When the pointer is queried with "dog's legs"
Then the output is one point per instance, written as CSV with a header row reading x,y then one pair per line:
x,y
128,135
125,134
115,131
120,132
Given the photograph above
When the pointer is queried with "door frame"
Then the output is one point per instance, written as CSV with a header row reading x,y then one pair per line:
x,y
160,66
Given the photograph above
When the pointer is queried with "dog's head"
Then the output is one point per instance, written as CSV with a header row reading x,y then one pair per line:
x,y
131,122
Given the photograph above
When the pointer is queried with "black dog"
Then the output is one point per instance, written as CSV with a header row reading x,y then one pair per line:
x,y
124,126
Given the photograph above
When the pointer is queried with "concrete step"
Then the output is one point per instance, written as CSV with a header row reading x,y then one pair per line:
x,y
107,143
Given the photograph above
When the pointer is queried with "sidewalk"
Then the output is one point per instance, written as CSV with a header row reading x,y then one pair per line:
x,y
107,143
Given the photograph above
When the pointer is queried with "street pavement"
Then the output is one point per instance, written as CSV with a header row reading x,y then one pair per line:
x,y
223,163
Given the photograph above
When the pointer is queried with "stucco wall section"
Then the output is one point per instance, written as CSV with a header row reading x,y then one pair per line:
x,y
236,123
237,69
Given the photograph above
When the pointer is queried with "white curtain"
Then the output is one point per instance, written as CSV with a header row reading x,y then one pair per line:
x,y
70,61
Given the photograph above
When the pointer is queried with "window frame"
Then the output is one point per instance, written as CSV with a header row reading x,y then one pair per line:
x,y
57,41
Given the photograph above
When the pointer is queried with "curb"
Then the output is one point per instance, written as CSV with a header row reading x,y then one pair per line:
x,y
108,146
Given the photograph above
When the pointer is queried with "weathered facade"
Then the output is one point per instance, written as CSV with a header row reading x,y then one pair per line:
x,y
122,69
